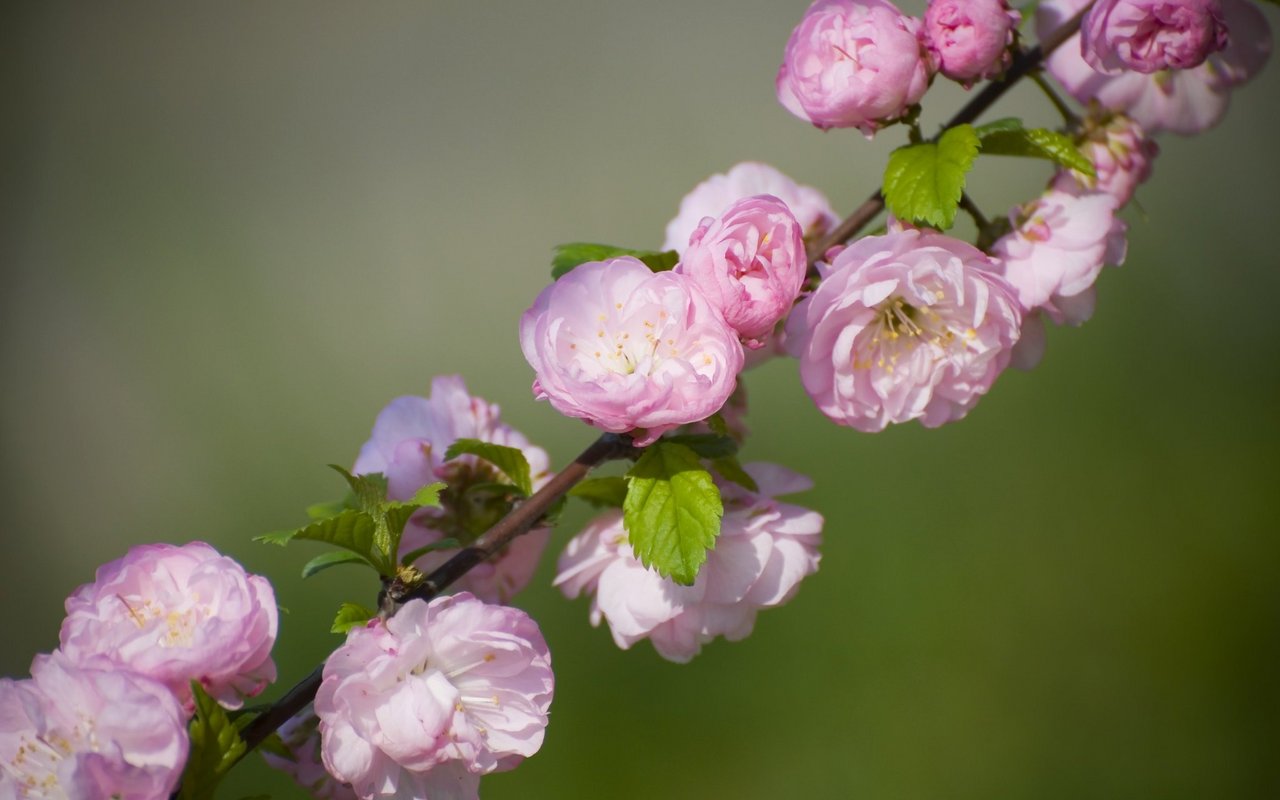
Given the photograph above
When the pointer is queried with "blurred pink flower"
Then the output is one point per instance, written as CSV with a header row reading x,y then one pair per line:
x,y
301,737
853,64
177,614
1121,154
408,444
909,325
1059,245
1151,35
88,733
970,39
1184,101
750,263
764,549
629,350
711,197
421,703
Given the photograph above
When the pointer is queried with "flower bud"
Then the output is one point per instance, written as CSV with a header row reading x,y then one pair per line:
x,y
1121,155
1151,35
970,39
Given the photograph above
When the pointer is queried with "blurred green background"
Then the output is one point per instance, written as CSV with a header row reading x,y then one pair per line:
x,y
234,231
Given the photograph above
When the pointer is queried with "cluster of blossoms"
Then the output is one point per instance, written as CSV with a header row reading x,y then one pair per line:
x,y
105,715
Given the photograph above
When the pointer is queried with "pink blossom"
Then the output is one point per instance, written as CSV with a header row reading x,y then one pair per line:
x,y
86,733
436,695
764,549
970,39
177,614
1121,155
910,325
711,197
629,350
1059,244
1184,101
853,64
1151,35
408,445
301,737
750,263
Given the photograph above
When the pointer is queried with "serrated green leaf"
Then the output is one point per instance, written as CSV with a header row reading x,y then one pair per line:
x,y
351,530
1037,143
444,544
1006,124
672,511
706,445
923,182
609,492
215,747
428,496
370,489
350,615
510,460
332,559
717,424
568,256
278,538
331,509
731,470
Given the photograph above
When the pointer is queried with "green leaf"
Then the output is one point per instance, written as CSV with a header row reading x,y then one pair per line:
x,y
278,538
428,496
607,492
351,530
444,544
1006,124
1037,143
672,511
215,747
510,460
568,256
707,445
274,745
731,470
717,424
332,559
923,182
351,615
370,490
331,509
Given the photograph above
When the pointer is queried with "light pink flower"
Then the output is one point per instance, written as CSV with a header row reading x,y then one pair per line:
x,y
87,733
1185,101
764,549
301,737
625,349
749,262
910,325
853,64
1151,35
443,691
1059,244
177,614
711,197
1121,154
970,39
408,444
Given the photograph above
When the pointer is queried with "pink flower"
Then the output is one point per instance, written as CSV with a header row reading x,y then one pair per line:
x,y
629,350
910,325
301,737
408,444
764,549
1121,155
711,197
177,614
1184,101
1059,244
750,263
853,64
1151,35
436,695
86,733
970,39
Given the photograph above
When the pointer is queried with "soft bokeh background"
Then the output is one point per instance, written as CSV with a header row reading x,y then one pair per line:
x,y
234,231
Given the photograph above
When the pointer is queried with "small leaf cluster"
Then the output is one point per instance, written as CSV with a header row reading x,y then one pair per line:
x,y
568,256
215,746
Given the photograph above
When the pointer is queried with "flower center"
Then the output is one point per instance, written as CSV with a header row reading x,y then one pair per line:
x,y
34,767
900,329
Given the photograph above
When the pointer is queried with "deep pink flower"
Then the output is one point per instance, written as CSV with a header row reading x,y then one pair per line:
x,y
1059,244
711,197
87,733
625,349
749,262
853,64
441,692
177,614
910,325
1151,35
408,444
1121,154
1184,101
764,549
970,39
